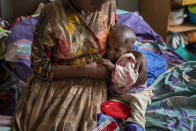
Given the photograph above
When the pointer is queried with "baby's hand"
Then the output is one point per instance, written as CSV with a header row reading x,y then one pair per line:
x,y
108,64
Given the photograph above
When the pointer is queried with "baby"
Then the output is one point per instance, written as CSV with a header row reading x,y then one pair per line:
x,y
120,60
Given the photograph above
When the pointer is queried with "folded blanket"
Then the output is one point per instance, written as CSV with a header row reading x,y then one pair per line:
x,y
10,90
3,35
19,47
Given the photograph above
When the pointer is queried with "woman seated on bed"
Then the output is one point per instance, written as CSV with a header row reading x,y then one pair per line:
x,y
68,86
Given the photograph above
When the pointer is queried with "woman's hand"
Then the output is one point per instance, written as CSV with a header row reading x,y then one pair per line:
x,y
140,67
97,71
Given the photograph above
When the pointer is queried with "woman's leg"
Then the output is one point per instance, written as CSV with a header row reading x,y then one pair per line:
x,y
69,105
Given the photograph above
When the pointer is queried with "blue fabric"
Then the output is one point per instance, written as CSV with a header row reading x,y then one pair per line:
x,y
133,127
156,65
101,118
120,12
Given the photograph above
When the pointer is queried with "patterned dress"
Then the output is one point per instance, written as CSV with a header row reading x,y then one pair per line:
x,y
63,36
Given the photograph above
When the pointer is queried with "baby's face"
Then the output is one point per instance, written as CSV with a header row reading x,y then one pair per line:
x,y
116,47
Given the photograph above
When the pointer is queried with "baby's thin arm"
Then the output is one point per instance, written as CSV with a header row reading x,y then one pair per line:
x,y
108,64
140,67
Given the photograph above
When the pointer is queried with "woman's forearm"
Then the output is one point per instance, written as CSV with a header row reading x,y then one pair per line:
x,y
63,72
92,70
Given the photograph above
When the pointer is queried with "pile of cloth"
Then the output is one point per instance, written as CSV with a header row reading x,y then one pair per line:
x,y
183,44
14,66
10,89
4,32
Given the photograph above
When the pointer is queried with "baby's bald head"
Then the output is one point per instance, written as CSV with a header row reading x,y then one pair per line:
x,y
124,34
121,39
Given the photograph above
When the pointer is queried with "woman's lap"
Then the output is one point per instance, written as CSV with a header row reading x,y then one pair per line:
x,y
60,105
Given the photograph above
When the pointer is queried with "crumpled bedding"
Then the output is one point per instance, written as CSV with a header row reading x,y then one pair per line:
x,y
139,26
19,47
11,88
156,65
173,106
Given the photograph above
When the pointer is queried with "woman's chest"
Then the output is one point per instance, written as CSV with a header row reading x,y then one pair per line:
x,y
76,38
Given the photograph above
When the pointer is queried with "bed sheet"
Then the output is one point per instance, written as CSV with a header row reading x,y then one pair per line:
x,y
173,106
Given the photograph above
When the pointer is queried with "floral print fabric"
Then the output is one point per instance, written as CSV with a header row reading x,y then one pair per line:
x,y
70,39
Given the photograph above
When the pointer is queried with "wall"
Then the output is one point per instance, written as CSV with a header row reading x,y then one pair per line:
x,y
6,9
25,7
11,9
129,5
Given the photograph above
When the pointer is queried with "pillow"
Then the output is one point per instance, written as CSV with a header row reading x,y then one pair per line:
x,y
19,47
138,25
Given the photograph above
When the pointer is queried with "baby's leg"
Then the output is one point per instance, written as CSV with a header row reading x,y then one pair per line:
x,y
138,103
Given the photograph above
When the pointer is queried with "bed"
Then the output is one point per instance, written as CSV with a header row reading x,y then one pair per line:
x,y
174,91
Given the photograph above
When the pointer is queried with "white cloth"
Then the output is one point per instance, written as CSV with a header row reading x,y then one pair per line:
x,y
124,74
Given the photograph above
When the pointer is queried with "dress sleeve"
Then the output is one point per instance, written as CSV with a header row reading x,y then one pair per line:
x,y
114,14
43,44
124,74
